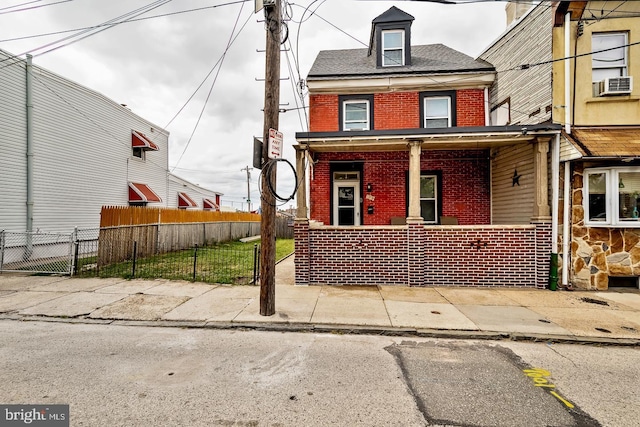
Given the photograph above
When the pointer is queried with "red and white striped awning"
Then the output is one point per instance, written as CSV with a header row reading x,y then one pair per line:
x,y
184,201
140,140
210,205
142,193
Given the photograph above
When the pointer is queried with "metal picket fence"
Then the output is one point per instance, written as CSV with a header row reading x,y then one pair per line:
x,y
228,263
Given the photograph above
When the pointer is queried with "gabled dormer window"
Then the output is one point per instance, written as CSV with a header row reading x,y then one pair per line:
x,y
391,38
393,48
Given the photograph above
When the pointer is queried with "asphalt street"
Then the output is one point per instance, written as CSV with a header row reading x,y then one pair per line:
x,y
113,375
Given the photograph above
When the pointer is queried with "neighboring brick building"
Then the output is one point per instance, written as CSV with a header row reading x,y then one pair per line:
x,y
399,168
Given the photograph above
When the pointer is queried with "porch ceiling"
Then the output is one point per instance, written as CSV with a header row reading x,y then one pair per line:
x,y
385,141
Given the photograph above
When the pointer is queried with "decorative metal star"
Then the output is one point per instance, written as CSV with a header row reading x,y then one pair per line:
x,y
515,178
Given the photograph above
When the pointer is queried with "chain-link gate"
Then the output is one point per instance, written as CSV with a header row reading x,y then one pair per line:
x,y
52,253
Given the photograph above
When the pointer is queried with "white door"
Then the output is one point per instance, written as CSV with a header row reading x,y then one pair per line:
x,y
346,198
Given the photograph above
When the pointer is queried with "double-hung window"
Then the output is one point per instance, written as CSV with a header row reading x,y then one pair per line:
x,y
612,197
356,115
429,198
613,61
356,112
392,48
437,112
438,109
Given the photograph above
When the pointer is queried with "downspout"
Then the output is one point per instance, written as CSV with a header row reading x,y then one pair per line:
x,y
555,190
567,73
565,225
29,90
487,118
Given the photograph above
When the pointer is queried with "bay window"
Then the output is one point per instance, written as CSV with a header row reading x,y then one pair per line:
x,y
612,197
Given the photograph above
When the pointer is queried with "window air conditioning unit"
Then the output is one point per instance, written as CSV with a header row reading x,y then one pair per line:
x,y
616,86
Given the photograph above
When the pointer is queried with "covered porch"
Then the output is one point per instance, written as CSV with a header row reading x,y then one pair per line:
x,y
454,223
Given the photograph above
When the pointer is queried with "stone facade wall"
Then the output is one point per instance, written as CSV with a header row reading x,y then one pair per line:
x,y
598,253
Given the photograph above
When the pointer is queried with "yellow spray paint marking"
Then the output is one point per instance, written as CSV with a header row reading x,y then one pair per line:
x,y
539,377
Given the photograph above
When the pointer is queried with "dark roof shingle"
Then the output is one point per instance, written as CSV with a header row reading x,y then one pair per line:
x,y
425,59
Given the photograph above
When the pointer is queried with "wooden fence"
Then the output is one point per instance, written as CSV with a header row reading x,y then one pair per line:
x,y
158,230
115,216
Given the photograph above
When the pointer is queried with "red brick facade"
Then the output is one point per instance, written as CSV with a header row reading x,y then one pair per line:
x,y
396,110
464,175
470,106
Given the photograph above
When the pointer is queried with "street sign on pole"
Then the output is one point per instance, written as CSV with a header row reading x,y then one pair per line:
x,y
275,144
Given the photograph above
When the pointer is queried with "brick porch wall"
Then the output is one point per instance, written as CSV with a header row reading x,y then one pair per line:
x,y
417,255
358,256
508,259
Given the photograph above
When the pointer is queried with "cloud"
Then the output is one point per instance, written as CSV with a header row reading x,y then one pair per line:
x,y
155,65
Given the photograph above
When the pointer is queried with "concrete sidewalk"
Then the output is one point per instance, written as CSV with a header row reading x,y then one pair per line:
x,y
496,313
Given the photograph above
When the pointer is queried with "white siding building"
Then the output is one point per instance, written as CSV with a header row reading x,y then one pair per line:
x,y
186,195
87,150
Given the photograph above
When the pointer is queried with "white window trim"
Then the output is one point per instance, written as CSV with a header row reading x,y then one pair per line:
x,y
385,49
448,116
612,200
344,113
625,66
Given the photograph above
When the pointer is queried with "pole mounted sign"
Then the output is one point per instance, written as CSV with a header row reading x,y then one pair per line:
x,y
275,144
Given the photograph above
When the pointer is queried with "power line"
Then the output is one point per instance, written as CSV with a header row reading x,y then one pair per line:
x,y
232,38
111,23
124,22
31,7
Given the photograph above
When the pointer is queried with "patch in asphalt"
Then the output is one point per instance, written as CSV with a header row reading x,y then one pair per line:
x,y
473,385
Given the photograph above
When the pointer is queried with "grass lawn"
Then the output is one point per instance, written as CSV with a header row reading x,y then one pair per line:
x,y
229,263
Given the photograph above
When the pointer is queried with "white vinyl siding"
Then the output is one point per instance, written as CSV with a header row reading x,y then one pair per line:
x,y
82,153
13,140
512,204
526,42
197,193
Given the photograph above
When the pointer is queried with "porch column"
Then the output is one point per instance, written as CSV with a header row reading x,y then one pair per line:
x,y
541,209
301,236
414,181
301,193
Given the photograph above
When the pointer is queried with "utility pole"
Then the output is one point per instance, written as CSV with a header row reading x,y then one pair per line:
x,y
248,169
273,22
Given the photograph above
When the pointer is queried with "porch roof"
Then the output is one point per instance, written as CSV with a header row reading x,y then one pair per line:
x,y
456,138
608,142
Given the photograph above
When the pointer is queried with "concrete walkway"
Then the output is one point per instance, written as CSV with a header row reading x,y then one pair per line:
x,y
495,313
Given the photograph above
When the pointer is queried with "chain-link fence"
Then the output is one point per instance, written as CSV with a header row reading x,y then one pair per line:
x,y
45,252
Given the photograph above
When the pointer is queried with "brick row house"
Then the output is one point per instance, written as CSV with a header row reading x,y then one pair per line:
x,y
404,187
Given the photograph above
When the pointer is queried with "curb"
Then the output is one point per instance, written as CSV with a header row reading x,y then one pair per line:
x,y
337,329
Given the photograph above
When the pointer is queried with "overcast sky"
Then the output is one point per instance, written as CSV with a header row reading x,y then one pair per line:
x,y
154,65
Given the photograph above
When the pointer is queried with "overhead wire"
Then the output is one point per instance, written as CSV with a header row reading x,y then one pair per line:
x,y
30,8
162,15
110,24
229,43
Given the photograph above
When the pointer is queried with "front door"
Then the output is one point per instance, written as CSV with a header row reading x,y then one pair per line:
x,y
346,198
